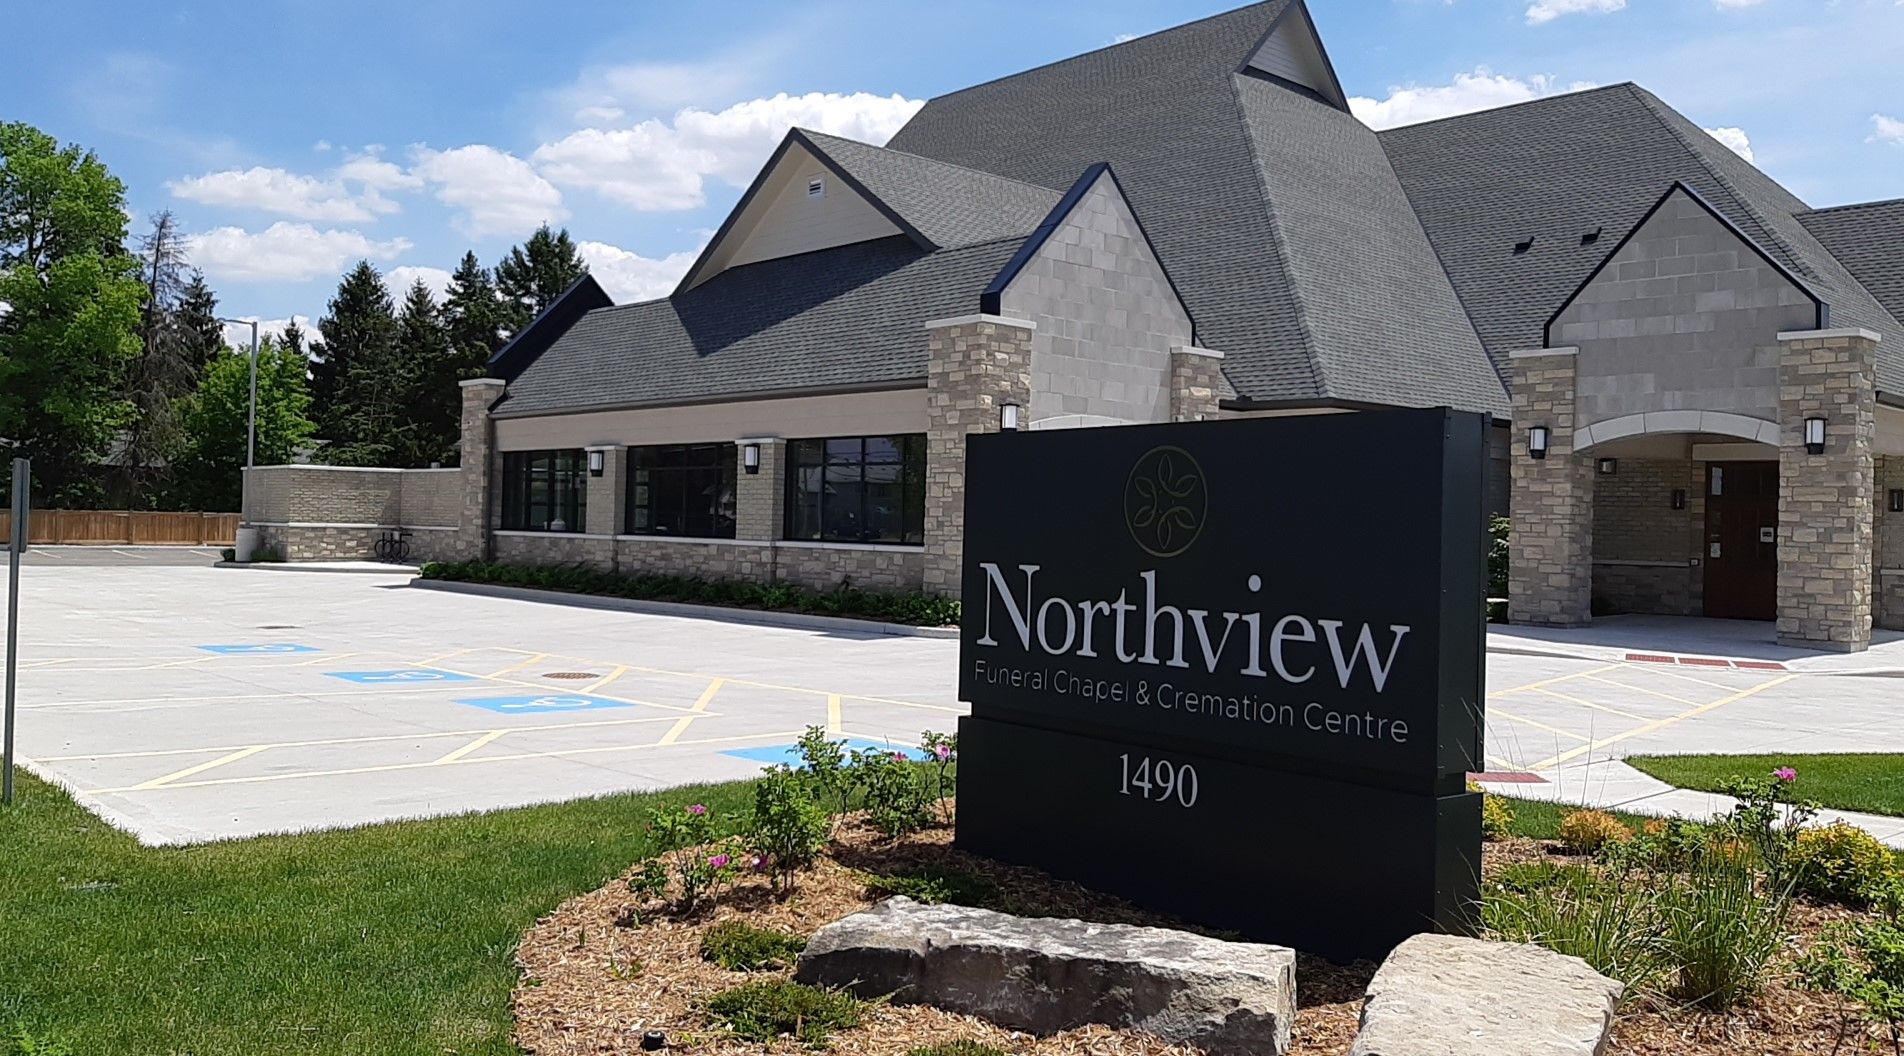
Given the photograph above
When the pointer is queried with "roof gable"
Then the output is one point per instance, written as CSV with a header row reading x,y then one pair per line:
x,y
1867,238
1292,52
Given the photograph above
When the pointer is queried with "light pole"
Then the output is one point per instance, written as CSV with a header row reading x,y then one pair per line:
x,y
251,420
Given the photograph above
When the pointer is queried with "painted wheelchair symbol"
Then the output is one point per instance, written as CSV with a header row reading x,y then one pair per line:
x,y
257,649
542,704
401,676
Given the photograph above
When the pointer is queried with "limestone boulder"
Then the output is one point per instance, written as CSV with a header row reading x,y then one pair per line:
x,y
1046,975
1443,995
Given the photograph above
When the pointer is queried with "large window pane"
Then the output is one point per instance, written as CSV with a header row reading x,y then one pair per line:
x,y
857,489
684,490
544,491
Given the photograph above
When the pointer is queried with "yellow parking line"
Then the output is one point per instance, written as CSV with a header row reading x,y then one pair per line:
x,y
174,663
26,664
231,757
699,711
466,761
1591,704
835,714
544,686
1537,725
327,659
1552,681
620,670
512,667
415,735
470,747
1660,723
441,656
1648,692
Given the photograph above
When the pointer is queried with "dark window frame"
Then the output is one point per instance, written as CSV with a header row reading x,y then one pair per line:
x,y
562,474
715,463
811,516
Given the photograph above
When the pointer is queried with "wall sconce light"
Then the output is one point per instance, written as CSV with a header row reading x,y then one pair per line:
x,y
1679,498
1897,500
1537,442
1008,417
1815,435
597,463
750,458
1609,466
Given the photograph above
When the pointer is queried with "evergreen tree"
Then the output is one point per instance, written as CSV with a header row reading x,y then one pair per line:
x,y
355,405
165,370
292,340
428,372
473,313
535,273
202,335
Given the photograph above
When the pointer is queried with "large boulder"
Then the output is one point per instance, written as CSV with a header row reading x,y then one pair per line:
x,y
1045,975
1442,995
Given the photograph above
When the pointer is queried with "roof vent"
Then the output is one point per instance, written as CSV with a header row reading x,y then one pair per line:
x,y
1591,237
1522,247
816,187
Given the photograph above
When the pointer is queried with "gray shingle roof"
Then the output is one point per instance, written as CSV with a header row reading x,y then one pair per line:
x,y
948,204
1869,239
848,317
1557,168
1236,179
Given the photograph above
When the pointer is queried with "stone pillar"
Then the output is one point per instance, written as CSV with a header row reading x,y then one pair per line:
x,y
1196,383
975,364
1550,546
1825,501
760,498
1889,531
477,452
602,512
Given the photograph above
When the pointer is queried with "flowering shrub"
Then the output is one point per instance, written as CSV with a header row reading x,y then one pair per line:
x,y
897,801
942,751
1588,831
824,762
1841,863
790,825
1768,818
698,867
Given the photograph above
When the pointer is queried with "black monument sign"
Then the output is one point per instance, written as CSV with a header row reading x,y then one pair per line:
x,y
1232,670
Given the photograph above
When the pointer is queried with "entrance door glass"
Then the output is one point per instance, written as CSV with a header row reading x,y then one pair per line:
x,y
1741,552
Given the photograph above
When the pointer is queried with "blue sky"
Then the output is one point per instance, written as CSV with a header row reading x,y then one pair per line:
x,y
292,138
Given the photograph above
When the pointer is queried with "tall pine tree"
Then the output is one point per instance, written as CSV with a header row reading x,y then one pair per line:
x,y
164,373
473,313
354,402
535,273
202,335
427,365
292,340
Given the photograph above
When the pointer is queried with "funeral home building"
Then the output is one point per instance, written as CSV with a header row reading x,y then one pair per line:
x,y
1697,380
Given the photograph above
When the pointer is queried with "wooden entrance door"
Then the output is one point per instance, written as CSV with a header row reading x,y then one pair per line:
x,y
1742,540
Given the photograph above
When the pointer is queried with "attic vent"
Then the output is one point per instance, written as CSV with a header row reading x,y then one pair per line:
x,y
1591,237
816,187
1522,247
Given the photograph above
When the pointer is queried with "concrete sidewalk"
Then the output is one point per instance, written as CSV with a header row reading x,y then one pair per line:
x,y
1695,642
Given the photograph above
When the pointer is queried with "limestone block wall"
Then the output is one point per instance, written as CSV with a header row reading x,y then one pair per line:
x,y
1550,579
975,365
1826,502
1196,384
870,568
760,498
324,495
815,566
430,497
1644,551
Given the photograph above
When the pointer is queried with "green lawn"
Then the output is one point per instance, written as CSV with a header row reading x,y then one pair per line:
x,y
1870,783
390,939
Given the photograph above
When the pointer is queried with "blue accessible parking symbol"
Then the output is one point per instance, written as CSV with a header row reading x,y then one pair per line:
x,y
790,753
543,704
403,676
260,649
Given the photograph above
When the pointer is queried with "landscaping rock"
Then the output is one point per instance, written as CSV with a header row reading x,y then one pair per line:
x,y
1044,975
1442,995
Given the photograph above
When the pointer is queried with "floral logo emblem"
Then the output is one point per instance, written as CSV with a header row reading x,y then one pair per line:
x,y
1165,501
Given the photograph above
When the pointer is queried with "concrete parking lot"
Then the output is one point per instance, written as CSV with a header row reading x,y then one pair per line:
x,y
191,703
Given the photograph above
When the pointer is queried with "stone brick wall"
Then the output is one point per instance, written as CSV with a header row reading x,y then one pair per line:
x,y
318,542
822,568
760,498
1106,317
1196,384
1826,501
974,366
604,503
481,467
1684,318
1550,581
818,567
1643,549
324,495
554,548
1889,558
431,497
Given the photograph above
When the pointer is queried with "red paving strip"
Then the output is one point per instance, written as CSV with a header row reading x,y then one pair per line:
x,y
1704,661
1508,777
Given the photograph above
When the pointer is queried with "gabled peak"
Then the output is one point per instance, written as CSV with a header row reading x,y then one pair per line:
x,y
1292,52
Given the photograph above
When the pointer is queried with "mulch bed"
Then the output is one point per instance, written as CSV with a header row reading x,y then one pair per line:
x,y
604,968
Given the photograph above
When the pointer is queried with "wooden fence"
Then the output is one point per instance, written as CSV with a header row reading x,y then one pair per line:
x,y
126,528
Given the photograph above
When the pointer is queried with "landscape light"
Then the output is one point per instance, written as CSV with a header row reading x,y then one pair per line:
x,y
1537,442
1008,417
1815,435
750,458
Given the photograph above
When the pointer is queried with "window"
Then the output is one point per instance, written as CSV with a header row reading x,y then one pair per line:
x,y
859,489
682,489
544,491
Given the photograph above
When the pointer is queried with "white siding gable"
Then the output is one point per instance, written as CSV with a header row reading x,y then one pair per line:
x,y
1294,53
784,219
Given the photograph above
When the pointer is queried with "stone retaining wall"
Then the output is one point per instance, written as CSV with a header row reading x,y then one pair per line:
x,y
813,567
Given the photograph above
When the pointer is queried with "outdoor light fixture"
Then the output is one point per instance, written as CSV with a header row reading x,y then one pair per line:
x,y
1537,442
750,458
1679,498
1609,466
1897,500
1815,435
597,463
1008,417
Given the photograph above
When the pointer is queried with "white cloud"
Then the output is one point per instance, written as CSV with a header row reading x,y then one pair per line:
x,y
1125,38
1543,11
285,252
498,193
373,172
1734,138
629,277
400,278
239,337
607,93
284,193
1476,90
657,165
1887,129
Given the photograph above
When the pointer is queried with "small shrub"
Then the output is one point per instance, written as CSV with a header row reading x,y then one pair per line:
x,y
1719,928
228,554
824,760
789,826
1610,921
1864,964
1840,863
1525,878
942,752
897,802
1669,845
740,947
1497,818
1767,817
935,886
962,1047
1499,529
1587,831
770,1009
700,868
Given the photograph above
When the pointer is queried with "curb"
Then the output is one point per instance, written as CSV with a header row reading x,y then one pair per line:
x,y
720,613
295,566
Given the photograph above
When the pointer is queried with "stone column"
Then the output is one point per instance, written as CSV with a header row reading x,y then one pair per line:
x,y
477,452
602,512
1889,531
1196,383
1825,501
975,364
760,498
1550,558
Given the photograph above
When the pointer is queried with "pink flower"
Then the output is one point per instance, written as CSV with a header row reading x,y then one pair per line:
x,y
1785,773
899,757
942,752
697,810
719,861
760,863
